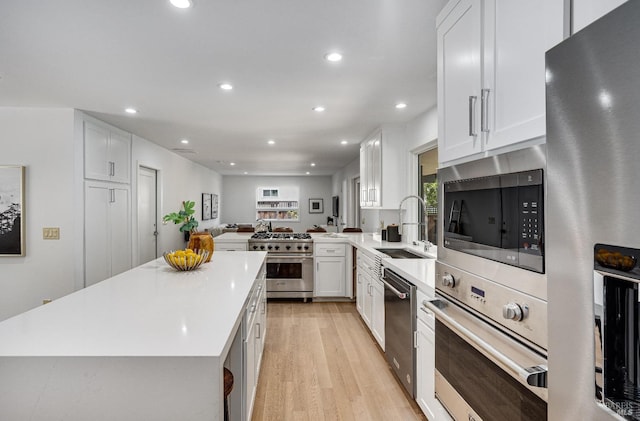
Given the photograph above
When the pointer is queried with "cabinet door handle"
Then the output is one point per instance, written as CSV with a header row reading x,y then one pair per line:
x,y
372,195
472,115
317,266
364,195
112,168
258,332
112,195
484,110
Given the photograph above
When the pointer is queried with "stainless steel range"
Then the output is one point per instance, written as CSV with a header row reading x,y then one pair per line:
x,y
289,263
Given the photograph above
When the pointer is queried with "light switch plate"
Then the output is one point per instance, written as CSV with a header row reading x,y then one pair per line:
x,y
51,233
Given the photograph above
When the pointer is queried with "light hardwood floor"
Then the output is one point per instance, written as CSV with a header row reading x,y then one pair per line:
x,y
321,363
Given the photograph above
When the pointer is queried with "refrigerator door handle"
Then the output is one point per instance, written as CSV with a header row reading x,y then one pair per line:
x,y
472,115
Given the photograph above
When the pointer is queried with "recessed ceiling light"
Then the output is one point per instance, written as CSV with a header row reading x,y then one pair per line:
x,y
307,173
318,109
182,4
225,86
232,163
245,173
333,56
343,142
401,105
313,164
184,141
130,110
271,142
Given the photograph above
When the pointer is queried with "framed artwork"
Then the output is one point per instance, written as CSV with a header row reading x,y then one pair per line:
x,y
316,206
12,221
214,206
206,206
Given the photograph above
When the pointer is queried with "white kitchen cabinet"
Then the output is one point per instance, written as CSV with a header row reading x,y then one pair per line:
x,y
370,296
382,168
256,326
330,270
426,363
230,246
107,230
107,153
377,311
491,73
584,12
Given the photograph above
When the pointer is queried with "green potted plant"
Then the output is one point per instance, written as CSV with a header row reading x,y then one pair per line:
x,y
185,217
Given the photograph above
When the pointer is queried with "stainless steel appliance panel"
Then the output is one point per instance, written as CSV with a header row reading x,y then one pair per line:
x,y
593,125
487,262
289,276
400,325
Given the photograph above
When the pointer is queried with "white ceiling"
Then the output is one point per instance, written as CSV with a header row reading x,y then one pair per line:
x,y
102,56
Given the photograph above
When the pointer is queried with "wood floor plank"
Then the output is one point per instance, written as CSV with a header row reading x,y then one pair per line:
x,y
321,363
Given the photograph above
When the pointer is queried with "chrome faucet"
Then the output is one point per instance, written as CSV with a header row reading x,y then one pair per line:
x,y
427,243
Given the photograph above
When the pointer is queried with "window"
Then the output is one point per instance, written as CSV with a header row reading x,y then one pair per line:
x,y
427,171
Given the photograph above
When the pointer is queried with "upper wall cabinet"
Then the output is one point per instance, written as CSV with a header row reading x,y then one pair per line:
x,y
491,73
382,168
107,153
583,12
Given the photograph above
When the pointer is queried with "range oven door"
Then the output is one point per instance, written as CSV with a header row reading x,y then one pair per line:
x,y
289,276
482,373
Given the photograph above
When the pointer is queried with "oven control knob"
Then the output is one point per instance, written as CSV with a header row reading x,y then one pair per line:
x,y
288,247
269,247
513,311
306,247
277,247
299,247
255,247
448,280
261,247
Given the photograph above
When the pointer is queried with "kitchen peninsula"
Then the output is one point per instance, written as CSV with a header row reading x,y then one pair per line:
x,y
150,343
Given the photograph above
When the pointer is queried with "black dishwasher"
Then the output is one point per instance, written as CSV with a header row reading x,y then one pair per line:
x,y
399,328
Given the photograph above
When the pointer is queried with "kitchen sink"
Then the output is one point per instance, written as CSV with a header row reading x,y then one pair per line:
x,y
402,254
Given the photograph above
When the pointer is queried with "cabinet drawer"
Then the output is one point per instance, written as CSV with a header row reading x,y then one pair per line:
x,y
231,246
330,249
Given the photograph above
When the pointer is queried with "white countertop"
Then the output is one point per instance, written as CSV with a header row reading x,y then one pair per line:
x,y
232,237
151,310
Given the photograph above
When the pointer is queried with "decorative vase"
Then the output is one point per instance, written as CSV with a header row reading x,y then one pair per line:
x,y
201,241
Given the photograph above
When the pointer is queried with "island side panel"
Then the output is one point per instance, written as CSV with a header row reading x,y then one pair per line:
x,y
109,388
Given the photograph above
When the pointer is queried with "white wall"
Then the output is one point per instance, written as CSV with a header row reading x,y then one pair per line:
x,y
178,179
48,142
342,186
239,198
43,141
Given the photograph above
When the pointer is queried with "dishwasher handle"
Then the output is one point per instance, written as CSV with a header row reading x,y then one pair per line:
x,y
401,295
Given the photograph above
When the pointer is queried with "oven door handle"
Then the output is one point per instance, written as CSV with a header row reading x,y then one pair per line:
x,y
534,376
401,295
288,258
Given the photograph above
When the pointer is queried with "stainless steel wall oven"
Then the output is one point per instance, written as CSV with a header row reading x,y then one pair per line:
x,y
490,307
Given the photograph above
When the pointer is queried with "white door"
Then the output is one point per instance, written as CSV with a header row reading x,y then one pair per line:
x,y
147,215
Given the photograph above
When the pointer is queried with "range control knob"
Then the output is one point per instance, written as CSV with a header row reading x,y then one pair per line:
x,y
448,280
261,247
270,247
277,247
255,247
513,311
288,247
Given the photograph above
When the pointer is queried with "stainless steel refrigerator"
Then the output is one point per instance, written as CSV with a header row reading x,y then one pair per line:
x,y
593,197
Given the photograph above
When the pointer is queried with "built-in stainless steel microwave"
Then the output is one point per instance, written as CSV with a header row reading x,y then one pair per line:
x,y
497,217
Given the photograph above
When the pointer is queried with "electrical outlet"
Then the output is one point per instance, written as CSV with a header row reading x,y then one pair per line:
x,y
52,233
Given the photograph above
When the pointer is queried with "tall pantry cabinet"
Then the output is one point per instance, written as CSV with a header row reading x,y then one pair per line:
x,y
107,201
